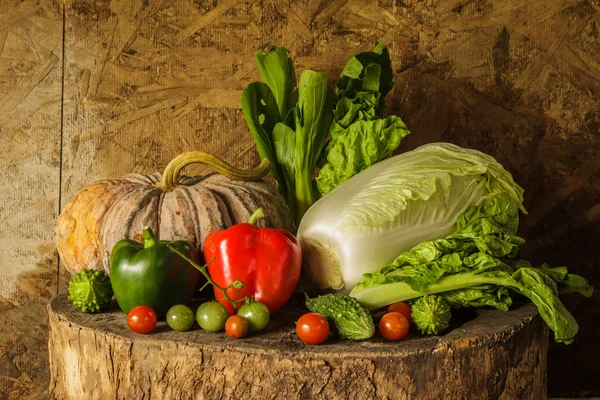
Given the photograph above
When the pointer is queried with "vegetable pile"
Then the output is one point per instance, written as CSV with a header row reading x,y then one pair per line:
x,y
351,319
472,267
418,234
290,125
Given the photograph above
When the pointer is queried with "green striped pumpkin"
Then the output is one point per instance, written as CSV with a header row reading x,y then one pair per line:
x,y
174,206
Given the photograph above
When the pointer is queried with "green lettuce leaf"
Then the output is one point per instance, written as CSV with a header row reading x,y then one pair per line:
x,y
360,108
539,287
369,71
575,284
359,138
486,295
467,269
357,147
567,283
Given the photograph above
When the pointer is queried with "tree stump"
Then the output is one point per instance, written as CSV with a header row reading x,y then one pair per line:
x,y
488,354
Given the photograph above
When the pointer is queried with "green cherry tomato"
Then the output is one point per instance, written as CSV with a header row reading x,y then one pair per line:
x,y
256,313
211,316
180,318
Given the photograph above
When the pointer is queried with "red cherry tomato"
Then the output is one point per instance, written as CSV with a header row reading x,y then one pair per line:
x,y
141,319
393,326
402,308
312,328
236,327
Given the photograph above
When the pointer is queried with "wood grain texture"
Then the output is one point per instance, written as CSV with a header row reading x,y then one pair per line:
x,y
30,118
145,80
517,80
98,357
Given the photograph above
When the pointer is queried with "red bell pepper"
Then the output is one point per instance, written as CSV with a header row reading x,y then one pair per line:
x,y
266,260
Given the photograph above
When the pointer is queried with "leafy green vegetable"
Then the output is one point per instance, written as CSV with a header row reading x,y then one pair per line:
x,y
466,268
277,71
398,203
350,318
484,295
298,150
367,73
431,314
359,138
292,140
291,126
90,290
357,147
313,116
261,113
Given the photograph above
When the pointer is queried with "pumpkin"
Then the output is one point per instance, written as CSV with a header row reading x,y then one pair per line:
x,y
176,207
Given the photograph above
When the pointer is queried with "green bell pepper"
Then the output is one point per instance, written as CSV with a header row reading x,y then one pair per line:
x,y
152,274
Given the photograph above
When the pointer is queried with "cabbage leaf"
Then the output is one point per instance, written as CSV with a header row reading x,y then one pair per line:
x,y
394,205
467,268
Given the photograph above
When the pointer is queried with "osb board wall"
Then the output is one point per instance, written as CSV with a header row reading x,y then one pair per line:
x,y
145,80
30,136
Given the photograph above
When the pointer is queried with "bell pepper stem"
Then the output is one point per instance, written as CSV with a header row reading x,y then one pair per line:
x,y
209,280
256,215
149,237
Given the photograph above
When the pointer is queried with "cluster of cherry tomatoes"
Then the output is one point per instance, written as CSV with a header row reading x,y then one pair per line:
x,y
395,322
313,328
211,316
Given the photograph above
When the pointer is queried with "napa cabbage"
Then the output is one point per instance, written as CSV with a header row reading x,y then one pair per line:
x,y
390,207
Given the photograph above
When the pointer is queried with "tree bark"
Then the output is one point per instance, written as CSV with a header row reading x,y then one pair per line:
x,y
488,354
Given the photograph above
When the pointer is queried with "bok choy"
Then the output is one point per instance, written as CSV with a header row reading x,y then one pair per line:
x,y
291,125
393,206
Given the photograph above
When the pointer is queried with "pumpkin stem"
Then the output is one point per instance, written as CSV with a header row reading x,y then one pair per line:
x,y
170,178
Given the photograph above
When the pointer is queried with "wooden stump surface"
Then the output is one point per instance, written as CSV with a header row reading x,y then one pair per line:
x,y
488,354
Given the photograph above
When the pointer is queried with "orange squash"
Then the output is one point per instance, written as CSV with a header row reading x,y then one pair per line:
x,y
174,206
